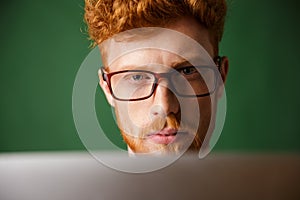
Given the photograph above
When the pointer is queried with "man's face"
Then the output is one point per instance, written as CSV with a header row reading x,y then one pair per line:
x,y
165,122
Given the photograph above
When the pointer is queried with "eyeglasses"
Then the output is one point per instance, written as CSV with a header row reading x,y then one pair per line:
x,y
188,81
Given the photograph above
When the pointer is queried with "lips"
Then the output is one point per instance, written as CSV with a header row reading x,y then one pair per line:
x,y
164,136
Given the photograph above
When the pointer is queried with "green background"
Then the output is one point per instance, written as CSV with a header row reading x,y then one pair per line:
x,y
42,47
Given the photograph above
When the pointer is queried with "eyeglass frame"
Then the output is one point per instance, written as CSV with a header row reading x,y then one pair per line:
x,y
107,78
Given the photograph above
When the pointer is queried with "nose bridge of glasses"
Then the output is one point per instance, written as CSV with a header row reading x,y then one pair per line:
x,y
164,79
165,83
164,94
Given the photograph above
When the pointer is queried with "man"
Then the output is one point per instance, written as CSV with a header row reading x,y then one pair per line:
x,y
162,73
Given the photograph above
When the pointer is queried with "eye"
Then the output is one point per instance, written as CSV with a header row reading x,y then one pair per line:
x,y
137,77
188,70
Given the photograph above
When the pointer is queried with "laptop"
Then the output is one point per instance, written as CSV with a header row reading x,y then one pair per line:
x,y
81,176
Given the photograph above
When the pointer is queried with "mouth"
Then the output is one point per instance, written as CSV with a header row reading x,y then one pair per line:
x,y
164,136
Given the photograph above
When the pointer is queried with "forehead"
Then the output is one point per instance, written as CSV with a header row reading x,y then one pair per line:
x,y
152,45
148,58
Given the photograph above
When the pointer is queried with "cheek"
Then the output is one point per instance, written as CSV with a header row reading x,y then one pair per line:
x,y
191,109
139,113
196,110
206,109
135,113
205,105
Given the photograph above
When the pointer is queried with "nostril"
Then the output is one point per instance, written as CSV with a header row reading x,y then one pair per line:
x,y
157,110
155,113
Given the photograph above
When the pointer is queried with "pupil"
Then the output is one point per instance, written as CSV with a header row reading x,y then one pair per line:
x,y
137,77
187,70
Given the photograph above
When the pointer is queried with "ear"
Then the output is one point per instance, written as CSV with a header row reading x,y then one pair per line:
x,y
224,66
105,88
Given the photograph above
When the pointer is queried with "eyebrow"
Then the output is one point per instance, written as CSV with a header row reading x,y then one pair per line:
x,y
180,64
132,67
175,65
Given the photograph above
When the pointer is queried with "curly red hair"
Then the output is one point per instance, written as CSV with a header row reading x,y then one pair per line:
x,y
108,17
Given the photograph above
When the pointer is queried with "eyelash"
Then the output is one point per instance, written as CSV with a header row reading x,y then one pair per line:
x,y
184,68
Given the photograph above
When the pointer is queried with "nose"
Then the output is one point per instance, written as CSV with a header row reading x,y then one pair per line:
x,y
165,100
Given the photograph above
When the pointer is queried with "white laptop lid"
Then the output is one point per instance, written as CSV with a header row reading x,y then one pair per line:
x,y
77,175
